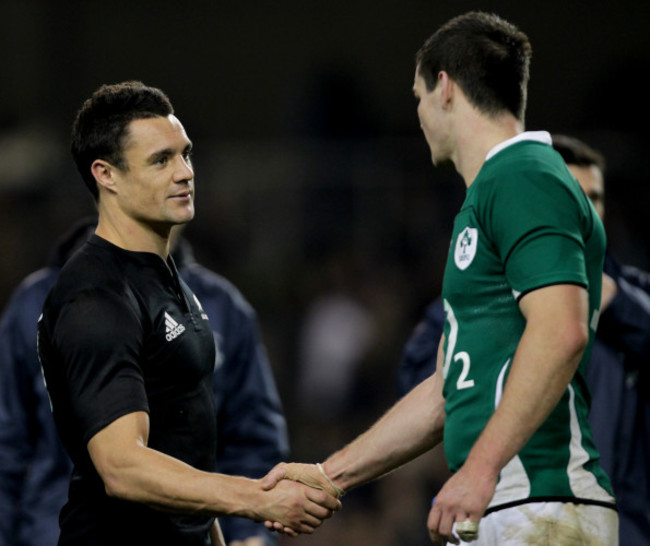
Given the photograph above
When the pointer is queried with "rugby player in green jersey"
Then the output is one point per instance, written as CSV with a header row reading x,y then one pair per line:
x,y
522,291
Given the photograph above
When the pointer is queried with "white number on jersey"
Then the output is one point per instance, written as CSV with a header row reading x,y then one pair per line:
x,y
463,382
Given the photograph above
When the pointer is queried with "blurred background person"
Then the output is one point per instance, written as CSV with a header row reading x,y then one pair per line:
x,y
618,373
34,468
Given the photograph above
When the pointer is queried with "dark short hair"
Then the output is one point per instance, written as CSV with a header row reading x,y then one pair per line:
x,y
100,128
487,56
577,152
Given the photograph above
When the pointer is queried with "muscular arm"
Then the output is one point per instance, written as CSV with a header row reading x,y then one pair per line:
x,y
546,359
132,471
411,427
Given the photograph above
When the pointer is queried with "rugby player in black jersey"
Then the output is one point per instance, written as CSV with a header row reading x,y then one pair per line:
x,y
128,354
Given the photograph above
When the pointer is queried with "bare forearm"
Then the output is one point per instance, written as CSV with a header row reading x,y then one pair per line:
x,y
132,471
411,427
153,478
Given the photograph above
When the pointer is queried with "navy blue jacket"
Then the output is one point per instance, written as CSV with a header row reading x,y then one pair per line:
x,y
421,350
619,380
34,468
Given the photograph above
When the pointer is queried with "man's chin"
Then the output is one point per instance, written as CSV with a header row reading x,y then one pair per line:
x,y
176,220
442,162
183,216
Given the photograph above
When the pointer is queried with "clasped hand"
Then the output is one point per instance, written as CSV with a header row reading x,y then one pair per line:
x,y
311,476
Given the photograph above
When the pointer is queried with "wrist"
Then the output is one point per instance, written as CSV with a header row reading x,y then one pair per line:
x,y
337,490
336,476
482,463
247,499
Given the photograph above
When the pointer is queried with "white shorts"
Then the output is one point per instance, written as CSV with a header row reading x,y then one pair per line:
x,y
549,524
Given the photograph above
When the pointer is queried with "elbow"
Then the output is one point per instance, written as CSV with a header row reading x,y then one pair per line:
x,y
117,477
114,486
574,338
111,490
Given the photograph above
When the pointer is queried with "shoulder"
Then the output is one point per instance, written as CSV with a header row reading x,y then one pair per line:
x,y
92,289
525,166
530,179
93,268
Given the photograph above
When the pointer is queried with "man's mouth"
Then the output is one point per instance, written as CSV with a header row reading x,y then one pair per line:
x,y
182,195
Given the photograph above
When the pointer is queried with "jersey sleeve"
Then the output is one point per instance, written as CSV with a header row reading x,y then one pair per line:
x,y
536,224
99,339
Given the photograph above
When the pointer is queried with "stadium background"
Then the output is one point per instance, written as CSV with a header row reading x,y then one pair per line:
x,y
315,192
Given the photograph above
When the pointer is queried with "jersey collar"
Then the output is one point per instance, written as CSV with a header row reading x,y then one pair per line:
x,y
537,136
150,259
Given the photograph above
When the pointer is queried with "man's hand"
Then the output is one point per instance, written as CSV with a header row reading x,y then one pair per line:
x,y
309,474
464,497
293,508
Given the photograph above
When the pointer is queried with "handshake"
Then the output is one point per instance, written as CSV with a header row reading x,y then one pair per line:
x,y
294,509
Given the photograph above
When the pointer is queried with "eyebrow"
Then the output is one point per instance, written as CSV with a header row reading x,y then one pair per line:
x,y
168,152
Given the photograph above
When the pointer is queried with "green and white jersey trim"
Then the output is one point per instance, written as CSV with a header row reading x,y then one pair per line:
x,y
583,483
513,480
538,136
514,483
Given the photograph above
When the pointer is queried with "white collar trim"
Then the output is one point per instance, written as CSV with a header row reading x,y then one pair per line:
x,y
539,136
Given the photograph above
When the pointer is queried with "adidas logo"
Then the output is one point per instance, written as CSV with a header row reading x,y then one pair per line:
x,y
172,328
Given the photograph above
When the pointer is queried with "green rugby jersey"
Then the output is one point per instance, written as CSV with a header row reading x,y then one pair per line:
x,y
525,224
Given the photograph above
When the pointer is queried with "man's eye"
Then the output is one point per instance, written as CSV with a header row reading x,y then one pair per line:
x,y
162,161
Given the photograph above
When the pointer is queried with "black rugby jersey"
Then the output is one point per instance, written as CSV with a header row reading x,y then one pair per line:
x,y
121,332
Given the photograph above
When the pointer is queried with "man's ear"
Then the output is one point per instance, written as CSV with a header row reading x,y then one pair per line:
x,y
104,174
447,87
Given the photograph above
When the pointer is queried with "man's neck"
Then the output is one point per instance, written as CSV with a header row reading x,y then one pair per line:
x,y
477,135
130,234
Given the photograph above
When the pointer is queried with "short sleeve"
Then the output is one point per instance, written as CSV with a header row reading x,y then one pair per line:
x,y
537,226
99,339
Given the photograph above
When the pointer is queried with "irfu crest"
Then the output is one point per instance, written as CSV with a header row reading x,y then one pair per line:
x,y
465,247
